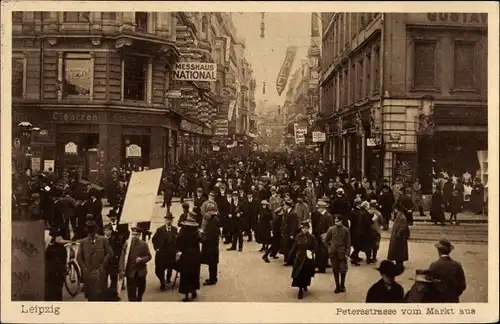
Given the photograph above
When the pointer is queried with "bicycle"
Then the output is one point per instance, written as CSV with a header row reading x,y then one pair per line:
x,y
72,279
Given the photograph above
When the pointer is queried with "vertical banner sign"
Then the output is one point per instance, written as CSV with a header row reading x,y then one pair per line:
x,y
291,52
28,261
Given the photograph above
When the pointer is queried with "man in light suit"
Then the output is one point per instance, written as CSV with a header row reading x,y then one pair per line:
x,y
135,266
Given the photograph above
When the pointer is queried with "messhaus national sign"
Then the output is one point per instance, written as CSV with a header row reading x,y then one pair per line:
x,y
195,71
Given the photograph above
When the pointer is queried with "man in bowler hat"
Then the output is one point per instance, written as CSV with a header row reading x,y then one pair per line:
x,y
165,245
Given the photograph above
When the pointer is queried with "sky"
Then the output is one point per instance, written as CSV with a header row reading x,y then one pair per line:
x,y
267,55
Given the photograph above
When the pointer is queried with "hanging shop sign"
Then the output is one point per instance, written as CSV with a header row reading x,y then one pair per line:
x,y
318,137
71,148
133,150
190,127
195,71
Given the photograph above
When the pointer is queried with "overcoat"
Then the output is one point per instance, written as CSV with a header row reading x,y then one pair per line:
x,y
451,279
398,244
303,267
93,258
289,229
210,241
188,243
263,232
437,211
165,245
378,293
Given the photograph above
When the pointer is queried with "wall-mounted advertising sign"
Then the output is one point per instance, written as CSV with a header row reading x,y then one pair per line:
x,y
195,71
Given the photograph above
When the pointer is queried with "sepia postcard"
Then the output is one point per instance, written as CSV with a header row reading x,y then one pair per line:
x,y
249,162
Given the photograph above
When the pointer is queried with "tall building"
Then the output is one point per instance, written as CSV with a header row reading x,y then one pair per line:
x,y
401,89
101,87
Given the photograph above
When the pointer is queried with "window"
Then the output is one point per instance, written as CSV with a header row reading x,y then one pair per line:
x,y
77,75
353,83
368,81
359,86
424,64
108,15
17,17
18,76
341,32
77,16
141,21
376,69
464,71
135,69
204,25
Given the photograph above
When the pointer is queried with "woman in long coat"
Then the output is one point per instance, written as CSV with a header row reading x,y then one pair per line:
x,y
398,244
304,266
189,261
263,233
437,207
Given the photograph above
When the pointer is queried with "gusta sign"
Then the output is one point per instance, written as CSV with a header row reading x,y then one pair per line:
x,y
192,71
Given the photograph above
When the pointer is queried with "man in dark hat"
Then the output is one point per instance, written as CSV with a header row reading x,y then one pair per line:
x,y
165,245
95,206
251,210
55,266
289,230
276,232
117,235
386,290
134,268
323,222
236,221
93,256
449,272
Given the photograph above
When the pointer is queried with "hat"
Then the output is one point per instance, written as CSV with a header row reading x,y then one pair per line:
x,y
444,245
89,220
373,202
199,190
264,202
388,268
169,216
424,276
273,188
235,193
365,205
278,210
340,191
288,202
330,180
305,223
190,221
309,181
219,179
250,193
114,169
338,217
112,213
136,229
357,202
222,185
353,179
185,205
321,204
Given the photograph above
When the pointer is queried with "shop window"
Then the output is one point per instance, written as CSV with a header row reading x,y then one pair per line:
x,y
135,70
465,63
108,15
17,17
18,75
424,70
77,75
141,21
77,16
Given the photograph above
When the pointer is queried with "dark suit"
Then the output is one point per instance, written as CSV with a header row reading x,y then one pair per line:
x,y
135,272
165,245
452,279
289,229
96,211
324,223
236,223
210,246
116,241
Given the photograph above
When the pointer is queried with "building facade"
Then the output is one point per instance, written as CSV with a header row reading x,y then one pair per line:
x,y
401,90
99,85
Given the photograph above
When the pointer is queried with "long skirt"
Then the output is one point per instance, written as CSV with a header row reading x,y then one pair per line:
x,y
306,273
189,279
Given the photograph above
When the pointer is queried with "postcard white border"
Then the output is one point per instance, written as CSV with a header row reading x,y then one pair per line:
x,y
213,312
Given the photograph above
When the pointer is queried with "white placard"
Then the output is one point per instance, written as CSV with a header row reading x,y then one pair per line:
x,y
35,164
133,150
141,196
48,164
318,137
71,148
195,71
28,261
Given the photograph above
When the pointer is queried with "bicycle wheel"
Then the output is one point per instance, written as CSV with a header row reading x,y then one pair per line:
x,y
72,279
